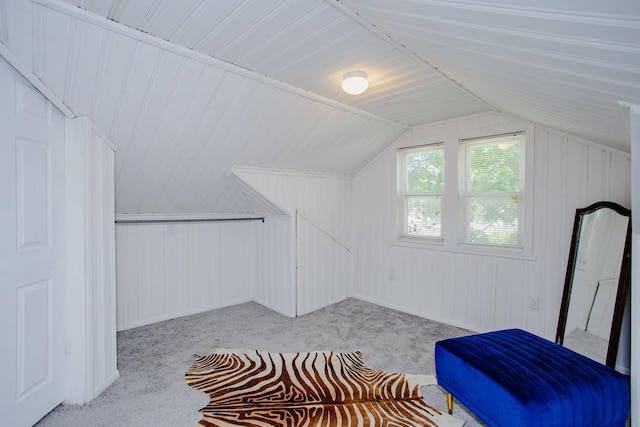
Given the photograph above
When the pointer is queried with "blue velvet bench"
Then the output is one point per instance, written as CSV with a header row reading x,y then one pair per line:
x,y
514,378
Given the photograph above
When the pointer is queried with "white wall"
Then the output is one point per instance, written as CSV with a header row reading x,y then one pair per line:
x,y
176,269
275,287
205,266
319,210
323,267
91,278
322,198
293,263
482,292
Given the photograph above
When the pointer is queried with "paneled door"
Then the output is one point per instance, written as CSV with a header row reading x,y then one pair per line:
x,y
32,252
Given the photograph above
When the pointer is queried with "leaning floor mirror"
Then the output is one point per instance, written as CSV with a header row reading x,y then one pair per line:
x,y
597,282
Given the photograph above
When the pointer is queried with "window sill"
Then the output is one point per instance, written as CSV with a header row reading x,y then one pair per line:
x,y
438,245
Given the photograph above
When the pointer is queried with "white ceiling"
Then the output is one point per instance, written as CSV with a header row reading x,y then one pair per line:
x,y
186,89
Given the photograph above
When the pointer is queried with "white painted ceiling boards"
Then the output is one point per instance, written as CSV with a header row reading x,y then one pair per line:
x,y
186,89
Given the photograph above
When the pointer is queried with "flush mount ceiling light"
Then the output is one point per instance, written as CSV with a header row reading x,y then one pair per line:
x,y
355,82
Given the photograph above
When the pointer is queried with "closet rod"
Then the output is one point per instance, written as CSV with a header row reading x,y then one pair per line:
x,y
152,221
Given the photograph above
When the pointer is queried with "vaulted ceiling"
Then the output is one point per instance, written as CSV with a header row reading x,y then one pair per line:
x,y
186,89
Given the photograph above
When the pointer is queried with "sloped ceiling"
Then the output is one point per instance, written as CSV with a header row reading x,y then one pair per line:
x,y
565,64
186,89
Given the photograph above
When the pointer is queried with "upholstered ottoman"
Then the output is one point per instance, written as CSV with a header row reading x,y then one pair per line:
x,y
513,378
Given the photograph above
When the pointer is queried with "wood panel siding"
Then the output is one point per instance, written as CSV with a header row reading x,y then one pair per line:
x,y
175,269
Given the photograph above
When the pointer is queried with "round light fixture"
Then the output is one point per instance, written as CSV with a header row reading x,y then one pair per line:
x,y
355,82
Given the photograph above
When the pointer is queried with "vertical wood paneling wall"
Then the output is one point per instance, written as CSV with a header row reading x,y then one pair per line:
x,y
91,274
319,213
347,226
323,268
103,274
476,291
275,285
325,199
176,269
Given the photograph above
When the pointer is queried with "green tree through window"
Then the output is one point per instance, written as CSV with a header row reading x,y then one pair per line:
x,y
422,188
493,190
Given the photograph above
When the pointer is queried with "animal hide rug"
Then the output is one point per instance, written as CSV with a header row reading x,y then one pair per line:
x,y
256,388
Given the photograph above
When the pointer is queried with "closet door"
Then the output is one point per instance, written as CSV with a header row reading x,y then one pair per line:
x,y
32,252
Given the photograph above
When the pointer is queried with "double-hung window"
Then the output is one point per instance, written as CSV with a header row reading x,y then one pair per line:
x,y
484,196
422,188
492,197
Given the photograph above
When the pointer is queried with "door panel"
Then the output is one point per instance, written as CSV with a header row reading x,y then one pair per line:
x,y
33,176
34,338
32,252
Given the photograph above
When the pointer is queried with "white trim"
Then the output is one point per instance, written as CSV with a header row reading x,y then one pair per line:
x,y
237,172
140,36
274,308
405,194
417,136
106,383
490,251
323,231
79,333
419,313
104,138
183,216
454,167
184,313
465,194
288,172
35,81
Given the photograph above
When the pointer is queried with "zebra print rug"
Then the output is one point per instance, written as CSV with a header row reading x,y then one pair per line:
x,y
256,388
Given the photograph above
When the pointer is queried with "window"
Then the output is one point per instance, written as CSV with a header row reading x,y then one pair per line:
x,y
492,197
422,188
482,207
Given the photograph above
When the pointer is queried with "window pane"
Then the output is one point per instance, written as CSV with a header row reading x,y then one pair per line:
x,y
425,171
424,216
494,220
494,166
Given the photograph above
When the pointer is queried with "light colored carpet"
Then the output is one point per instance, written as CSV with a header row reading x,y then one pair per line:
x,y
152,360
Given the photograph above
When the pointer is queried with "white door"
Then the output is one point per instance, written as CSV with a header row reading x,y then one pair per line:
x,y
32,251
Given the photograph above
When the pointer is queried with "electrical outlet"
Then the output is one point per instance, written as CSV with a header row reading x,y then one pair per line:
x,y
534,303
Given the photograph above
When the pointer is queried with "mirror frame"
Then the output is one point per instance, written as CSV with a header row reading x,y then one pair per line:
x,y
623,281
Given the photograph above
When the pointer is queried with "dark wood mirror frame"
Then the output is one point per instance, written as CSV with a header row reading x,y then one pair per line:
x,y
623,282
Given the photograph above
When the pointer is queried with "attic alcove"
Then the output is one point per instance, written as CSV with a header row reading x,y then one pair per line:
x,y
355,215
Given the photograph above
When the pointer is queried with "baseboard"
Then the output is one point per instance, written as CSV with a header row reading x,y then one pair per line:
x,y
274,308
624,370
131,325
106,383
96,392
472,328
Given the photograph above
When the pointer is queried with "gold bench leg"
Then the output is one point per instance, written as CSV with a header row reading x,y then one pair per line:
x,y
450,403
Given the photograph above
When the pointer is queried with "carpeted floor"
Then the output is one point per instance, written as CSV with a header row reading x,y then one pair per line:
x,y
152,360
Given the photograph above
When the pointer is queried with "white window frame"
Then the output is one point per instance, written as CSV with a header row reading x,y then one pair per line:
x,y
466,194
404,193
452,200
